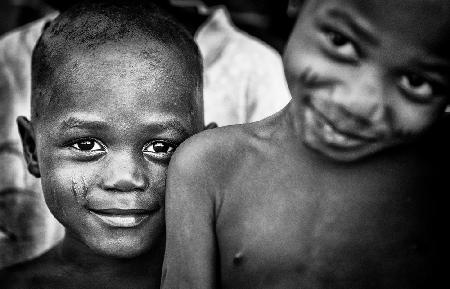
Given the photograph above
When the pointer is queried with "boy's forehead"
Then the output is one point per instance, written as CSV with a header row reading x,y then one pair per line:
x,y
156,74
426,22
152,61
142,50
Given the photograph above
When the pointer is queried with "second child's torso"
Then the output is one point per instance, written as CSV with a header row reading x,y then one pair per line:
x,y
290,219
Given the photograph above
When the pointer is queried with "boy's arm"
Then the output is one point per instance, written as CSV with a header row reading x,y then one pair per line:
x,y
190,256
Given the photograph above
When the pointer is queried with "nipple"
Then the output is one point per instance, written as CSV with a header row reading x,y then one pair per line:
x,y
238,258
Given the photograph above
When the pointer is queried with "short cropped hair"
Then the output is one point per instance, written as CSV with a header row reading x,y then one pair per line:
x,y
88,25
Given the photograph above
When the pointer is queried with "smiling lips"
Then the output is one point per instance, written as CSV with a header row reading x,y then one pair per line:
x,y
121,218
331,135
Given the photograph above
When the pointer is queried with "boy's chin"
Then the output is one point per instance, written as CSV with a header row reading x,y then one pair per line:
x,y
123,248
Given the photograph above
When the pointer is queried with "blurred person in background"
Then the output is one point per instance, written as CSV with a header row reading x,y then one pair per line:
x,y
26,226
15,13
242,74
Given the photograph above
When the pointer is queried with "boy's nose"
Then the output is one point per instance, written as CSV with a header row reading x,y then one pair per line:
x,y
125,173
364,97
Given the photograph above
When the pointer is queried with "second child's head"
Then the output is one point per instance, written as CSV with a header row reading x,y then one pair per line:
x,y
368,75
117,86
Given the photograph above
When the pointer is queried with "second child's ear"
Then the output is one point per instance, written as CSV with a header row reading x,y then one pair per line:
x,y
211,125
29,145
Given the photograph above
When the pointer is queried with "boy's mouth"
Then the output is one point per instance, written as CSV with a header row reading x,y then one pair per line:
x,y
123,218
331,135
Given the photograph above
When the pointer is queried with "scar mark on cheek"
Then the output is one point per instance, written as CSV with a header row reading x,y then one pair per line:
x,y
85,190
79,189
310,79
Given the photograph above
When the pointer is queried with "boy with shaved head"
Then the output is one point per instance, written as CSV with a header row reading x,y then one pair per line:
x,y
341,189
117,86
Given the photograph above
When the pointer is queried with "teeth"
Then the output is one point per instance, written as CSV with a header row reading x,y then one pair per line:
x,y
309,117
3,236
332,136
122,220
328,133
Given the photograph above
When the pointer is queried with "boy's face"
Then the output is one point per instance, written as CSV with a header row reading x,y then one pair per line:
x,y
104,142
367,75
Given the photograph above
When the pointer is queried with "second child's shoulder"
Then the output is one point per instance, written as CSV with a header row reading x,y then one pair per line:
x,y
217,148
216,143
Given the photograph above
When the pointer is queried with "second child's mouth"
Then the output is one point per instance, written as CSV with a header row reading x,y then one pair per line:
x,y
333,136
123,218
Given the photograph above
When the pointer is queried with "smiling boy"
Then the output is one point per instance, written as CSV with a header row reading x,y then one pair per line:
x,y
116,88
341,188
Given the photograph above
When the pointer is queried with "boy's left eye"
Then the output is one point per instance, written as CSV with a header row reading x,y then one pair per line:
x,y
416,86
340,45
87,145
159,148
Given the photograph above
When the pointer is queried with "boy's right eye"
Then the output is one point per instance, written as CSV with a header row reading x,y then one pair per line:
x,y
340,45
89,145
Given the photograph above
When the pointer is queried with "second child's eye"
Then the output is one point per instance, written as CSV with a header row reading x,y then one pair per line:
x,y
88,145
159,148
416,86
340,45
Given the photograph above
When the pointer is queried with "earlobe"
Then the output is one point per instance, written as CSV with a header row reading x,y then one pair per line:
x,y
29,145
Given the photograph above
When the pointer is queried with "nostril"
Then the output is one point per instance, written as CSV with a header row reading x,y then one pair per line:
x,y
125,173
355,116
125,185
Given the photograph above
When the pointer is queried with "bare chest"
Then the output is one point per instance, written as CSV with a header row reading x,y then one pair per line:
x,y
328,230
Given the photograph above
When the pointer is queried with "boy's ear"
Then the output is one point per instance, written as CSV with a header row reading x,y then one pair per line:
x,y
211,125
29,145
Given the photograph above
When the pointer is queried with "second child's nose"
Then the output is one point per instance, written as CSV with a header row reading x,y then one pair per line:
x,y
364,97
124,173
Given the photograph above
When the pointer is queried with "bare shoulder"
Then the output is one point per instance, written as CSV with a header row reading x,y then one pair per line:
x,y
207,165
217,150
34,273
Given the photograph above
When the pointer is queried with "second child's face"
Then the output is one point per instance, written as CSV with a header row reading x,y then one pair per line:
x,y
105,143
368,75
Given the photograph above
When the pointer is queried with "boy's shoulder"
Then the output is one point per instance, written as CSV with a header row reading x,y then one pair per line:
x,y
34,273
216,143
215,150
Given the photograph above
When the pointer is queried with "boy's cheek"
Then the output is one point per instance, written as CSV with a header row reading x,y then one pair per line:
x,y
414,119
314,65
64,186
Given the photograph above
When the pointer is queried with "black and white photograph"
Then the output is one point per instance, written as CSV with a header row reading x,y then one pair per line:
x,y
224,144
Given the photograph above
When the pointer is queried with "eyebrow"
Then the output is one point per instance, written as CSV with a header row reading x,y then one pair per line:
x,y
161,125
74,122
354,25
172,124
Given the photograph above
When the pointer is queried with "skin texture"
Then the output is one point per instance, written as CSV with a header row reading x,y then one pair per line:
x,y
282,203
101,147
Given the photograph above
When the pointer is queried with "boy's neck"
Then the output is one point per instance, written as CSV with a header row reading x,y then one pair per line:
x,y
76,256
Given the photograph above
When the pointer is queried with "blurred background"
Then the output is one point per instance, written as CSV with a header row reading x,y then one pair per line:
x,y
267,20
